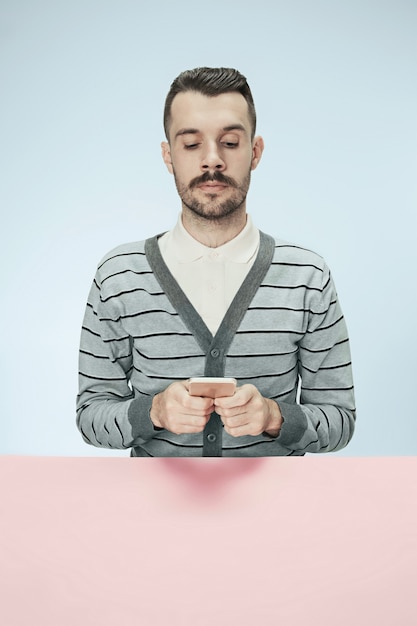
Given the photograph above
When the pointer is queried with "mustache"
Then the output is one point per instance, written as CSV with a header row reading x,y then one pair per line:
x,y
208,177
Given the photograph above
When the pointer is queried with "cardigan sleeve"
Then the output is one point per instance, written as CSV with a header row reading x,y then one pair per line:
x,y
108,414
324,419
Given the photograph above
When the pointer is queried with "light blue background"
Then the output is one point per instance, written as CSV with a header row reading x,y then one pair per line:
x,y
82,89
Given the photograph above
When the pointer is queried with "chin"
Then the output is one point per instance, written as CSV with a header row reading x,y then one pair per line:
x,y
216,212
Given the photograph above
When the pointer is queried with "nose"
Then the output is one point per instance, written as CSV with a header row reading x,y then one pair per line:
x,y
212,159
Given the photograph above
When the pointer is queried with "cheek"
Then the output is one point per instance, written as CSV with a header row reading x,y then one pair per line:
x,y
246,161
178,170
184,166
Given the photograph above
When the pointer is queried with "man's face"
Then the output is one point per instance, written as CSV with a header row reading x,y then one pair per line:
x,y
210,152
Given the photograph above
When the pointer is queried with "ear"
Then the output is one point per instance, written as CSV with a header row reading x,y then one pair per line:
x,y
257,149
166,155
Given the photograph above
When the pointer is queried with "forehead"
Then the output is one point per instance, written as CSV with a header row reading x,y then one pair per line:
x,y
191,109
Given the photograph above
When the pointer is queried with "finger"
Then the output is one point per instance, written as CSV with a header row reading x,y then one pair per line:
x,y
237,431
198,403
236,421
185,415
186,429
242,396
195,421
230,402
191,405
237,409
187,423
250,428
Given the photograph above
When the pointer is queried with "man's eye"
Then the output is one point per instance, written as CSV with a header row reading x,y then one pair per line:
x,y
190,146
230,144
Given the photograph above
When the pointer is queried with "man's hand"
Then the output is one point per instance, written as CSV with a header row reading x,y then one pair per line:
x,y
247,412
175,410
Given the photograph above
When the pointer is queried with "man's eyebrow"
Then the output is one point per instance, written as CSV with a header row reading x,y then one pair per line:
x,y
234,127
186,131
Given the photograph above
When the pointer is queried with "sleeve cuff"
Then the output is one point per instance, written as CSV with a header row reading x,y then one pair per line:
x,y
140,421
294,424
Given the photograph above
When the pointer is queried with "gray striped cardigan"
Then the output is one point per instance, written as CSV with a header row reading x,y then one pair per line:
x,y
284,332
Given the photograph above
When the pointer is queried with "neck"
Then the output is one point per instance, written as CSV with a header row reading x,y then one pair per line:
x,y
213,232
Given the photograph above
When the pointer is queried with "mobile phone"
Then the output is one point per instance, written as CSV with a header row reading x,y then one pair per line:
x,y
207,387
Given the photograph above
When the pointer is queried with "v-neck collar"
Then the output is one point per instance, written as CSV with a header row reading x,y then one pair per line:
x,y
221,341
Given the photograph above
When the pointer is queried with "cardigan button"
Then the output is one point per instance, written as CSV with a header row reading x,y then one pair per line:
x,y
211,437
215,353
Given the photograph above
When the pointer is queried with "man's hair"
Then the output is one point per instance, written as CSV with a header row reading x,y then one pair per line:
x,y
209,81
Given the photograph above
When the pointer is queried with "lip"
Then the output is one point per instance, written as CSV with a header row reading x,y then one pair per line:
x,y
212,187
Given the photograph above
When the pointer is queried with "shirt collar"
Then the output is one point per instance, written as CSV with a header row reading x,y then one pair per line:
x,y
238,250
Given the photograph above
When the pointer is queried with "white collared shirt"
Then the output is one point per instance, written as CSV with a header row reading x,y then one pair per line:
x,y
209,277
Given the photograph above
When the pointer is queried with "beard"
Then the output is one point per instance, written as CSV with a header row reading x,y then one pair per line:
x,y
213,208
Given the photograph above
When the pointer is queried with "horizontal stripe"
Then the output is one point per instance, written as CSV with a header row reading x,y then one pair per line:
x,y
283,287
93,392
89,330
155,377
104,339
106,356
128,271
269,332
167,358
333,367
275,263
138,314
290,245
178,444
321,389
275,374
327,349
248,445
103,378
96,356
287,308
130,291
320,328
260,355
284,393
121,254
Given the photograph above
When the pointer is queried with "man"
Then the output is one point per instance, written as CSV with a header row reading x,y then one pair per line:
x,y
214,297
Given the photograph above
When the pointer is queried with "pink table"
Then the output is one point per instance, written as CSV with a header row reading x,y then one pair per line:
x,y
320,540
